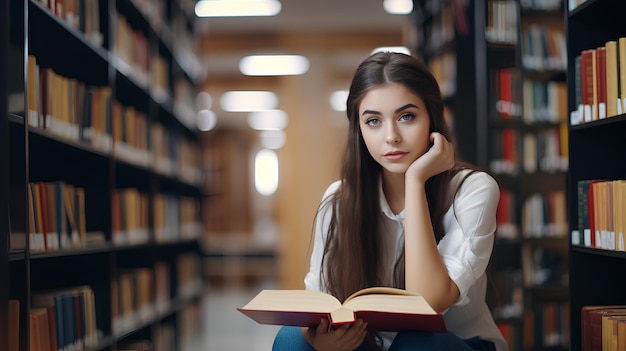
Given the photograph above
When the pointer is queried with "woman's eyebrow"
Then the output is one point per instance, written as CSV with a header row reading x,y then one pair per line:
x,y
402,108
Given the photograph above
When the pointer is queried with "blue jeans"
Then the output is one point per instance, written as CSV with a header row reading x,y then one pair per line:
x,y
291,339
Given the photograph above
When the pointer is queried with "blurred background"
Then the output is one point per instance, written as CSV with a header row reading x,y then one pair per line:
x,y
333,37
258,237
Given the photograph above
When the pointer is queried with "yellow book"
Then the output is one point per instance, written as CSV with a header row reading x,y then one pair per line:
x,y
612,100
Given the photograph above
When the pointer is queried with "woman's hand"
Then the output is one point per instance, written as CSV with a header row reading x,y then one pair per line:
x,y
439,158
343,338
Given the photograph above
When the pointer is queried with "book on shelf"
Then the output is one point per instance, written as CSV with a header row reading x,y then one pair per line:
x,y
600,81
613,106
71,314
597,323
383,308
40,339
601,204
14,325
621,49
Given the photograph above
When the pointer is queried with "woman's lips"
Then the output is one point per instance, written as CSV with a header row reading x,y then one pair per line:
x,y
395,155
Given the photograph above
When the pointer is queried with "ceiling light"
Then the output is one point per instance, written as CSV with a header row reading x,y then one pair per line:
x,y
400,49
268,120
273,65
398,7
266,172
338,100
246,101
237,8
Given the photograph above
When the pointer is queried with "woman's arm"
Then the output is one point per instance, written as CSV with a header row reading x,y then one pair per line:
x,y
425,271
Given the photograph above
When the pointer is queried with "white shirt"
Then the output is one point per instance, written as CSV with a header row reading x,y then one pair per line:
x,y
465,249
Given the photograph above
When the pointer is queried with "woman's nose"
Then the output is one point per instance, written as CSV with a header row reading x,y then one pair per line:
x,y
392,135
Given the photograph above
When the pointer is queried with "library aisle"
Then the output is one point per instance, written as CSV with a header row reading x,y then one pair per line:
x,y
226,329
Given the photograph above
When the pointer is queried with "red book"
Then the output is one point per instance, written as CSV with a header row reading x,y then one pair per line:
x,y
384,309
591,211
591,323
586,82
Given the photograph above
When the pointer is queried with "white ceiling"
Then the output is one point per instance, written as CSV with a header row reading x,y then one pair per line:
x,y
312,15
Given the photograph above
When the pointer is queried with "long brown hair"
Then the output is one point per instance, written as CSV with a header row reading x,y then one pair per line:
x,y
352,257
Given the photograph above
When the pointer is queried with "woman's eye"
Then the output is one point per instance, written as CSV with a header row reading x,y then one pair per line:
x,y
407,117
372,122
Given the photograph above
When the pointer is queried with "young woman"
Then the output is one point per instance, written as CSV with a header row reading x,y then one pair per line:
x,y
405,214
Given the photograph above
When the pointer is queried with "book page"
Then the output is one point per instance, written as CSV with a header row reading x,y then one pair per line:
x,y
390,303
380,290
293,300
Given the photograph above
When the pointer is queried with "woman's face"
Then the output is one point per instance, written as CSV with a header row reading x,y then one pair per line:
x,y
395,126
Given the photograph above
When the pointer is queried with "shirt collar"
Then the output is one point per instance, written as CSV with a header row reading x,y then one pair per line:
x,y
384,205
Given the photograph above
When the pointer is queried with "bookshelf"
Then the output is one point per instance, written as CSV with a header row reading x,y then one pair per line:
x,y
4,181
595,145
101,207
499,127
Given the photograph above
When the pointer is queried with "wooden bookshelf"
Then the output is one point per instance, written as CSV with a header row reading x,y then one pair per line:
x,y
595,147
100,144
484,96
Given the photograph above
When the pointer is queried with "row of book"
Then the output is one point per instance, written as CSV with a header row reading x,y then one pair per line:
x,y
502,22
543,215
57,217
600,206
173,217
63,319
139,295
545,150
68,322
603,327
600,82
74,110
532,101
167,337
547,325
83,15
544,48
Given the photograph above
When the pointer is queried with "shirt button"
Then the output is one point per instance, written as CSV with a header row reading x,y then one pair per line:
x,y
465,244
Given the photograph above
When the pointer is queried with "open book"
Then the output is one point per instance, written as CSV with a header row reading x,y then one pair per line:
x,y
383,308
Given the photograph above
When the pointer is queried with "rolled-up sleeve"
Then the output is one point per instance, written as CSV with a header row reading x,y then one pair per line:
x,y
470,232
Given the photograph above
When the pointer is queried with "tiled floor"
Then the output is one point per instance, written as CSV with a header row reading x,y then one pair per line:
x,y
226,329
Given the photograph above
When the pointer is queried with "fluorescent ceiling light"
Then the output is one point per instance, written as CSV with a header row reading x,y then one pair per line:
x,y
246,101
400,49
268,120
237,8
398,7
266,172
338,100
273,65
